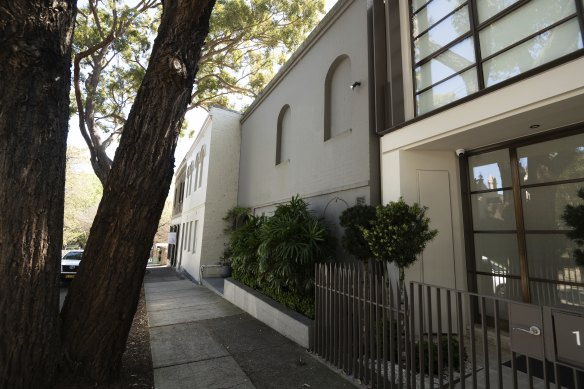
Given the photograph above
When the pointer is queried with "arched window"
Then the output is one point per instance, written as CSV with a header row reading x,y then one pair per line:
x,y
337,98
283,137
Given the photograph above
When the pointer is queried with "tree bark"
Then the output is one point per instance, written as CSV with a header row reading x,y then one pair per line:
x,y
35,59
102,300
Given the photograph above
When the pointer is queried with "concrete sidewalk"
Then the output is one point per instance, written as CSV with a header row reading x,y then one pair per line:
x,y
199,340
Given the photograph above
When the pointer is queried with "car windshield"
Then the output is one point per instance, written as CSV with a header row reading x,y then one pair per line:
x,y
74,255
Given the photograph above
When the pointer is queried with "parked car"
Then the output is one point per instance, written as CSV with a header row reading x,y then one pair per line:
x,y
70,264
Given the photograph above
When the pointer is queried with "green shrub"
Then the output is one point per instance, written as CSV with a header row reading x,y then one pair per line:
x,y
276,255
454,344
353,219
243,247
292,241
398,234
574,217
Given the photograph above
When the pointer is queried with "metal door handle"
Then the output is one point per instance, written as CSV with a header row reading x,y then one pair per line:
x,y
533,330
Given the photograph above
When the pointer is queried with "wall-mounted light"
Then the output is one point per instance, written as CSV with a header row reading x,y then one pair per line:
x,y
355,84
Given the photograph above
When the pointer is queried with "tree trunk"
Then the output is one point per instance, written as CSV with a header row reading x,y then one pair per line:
x,y
35,43
102,300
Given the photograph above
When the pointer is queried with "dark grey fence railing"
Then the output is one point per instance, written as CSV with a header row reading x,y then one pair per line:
x,y
445,338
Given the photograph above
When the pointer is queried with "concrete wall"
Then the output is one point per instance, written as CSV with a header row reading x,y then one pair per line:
x,y
291,324
318,170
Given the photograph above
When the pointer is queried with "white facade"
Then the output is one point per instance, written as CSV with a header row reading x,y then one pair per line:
x,y
210,189
309,132
418,158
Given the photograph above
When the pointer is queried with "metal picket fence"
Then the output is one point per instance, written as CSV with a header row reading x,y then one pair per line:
x,y
437,337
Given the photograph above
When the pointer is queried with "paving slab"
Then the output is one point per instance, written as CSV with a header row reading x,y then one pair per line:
x,y
158,295
169,285
190,314
180,302
218,373
241,333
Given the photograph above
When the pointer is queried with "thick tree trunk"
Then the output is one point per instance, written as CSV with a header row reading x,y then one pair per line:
x,y
98,311
35,42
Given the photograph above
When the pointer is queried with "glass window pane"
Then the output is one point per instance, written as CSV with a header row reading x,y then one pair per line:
x,y
543,206
529,19
435,11
490,170
454,89
442,34
496,253
488,9
417,4
509,288
493,211
458,57
551,294
559,159
544,48
551,256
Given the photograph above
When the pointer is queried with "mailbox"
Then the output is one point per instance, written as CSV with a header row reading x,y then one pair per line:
x,y
526,330
569,338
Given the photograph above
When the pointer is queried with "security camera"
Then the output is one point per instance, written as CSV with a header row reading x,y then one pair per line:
x,y
460,152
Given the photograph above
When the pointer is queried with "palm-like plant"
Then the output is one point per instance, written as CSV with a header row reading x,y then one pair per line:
x,y
292,241
243,247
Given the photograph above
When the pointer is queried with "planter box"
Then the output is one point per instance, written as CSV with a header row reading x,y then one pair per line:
x,y
291,324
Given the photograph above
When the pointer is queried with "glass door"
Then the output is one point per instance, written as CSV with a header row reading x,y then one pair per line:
x,y
517,198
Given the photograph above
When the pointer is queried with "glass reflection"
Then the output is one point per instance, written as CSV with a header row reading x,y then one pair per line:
x,y
455,88
496,253
529,19
552,294
454,60
442,34
493,211
488,9
533,53
560,159
432,13
504,287
490,170
543,206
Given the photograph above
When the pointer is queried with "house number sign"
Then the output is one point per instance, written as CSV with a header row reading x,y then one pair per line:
x,y
569,337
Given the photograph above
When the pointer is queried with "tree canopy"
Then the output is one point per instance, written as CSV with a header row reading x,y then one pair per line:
x,y
247,42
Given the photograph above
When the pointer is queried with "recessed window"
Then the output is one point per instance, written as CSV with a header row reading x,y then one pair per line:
x,y
337,106
283,135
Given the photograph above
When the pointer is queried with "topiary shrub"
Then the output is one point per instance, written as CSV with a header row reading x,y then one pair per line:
x,y
353,219
398,234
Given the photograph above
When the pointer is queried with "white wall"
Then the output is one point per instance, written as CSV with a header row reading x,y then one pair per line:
x,y
418,161
208,203
317,170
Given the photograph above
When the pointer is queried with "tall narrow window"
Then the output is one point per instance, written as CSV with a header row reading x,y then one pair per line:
x,y
182,241
337,98
283,136
190,229
201,160
195,237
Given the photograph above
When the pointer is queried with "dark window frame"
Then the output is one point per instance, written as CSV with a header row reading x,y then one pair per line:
x,y
521,232
475,29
